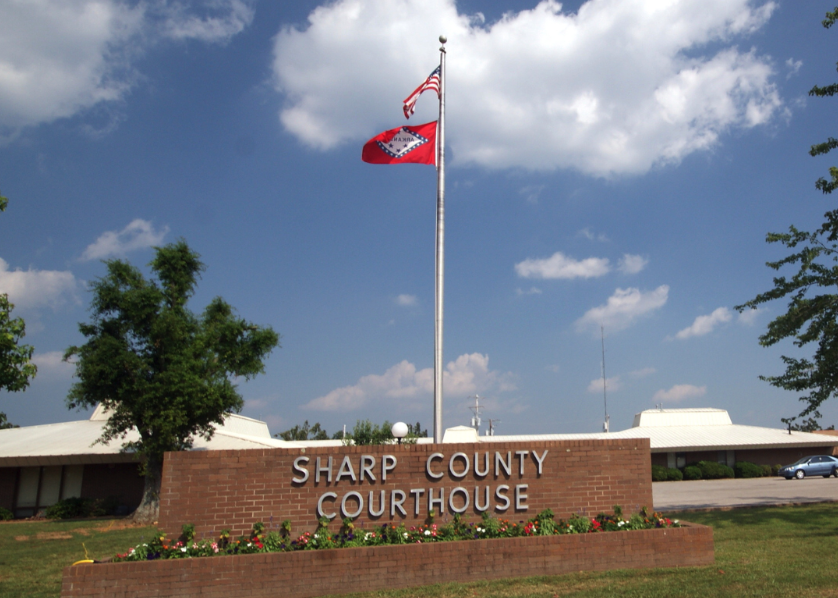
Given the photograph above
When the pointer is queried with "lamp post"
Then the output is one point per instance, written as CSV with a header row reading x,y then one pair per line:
x,y
399,430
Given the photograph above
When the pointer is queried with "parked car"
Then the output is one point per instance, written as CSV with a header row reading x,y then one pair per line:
x,y
823,465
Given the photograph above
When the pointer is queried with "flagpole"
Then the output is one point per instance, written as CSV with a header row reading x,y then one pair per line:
x,y
440,247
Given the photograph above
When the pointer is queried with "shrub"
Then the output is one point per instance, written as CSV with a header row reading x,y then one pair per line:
x,y
658,473
6,514
775,469
710,470
766,471
674,475
71,508
691,472
744,469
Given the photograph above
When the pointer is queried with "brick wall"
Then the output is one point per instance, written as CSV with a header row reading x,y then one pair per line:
x,y
342,571
233,489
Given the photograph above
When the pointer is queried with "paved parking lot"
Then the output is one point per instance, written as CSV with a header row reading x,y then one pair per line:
x,y
707,494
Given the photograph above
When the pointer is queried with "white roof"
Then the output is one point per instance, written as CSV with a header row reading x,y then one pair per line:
x,y
661,418
682,430
75,442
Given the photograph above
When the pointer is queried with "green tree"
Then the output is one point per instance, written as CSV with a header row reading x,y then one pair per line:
x,y
811,317
304,432
16,367
5,424
157,367
365,433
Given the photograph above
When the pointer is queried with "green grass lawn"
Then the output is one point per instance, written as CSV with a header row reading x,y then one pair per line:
x,y
785,551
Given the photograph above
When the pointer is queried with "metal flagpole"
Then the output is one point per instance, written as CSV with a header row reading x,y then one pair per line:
x,y
440,246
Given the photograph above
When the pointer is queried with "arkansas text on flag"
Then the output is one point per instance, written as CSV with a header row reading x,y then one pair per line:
x,y
414,143
432,82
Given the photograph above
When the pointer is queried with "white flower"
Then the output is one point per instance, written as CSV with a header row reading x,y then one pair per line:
x,y
621,524
183,549
405,534
427,532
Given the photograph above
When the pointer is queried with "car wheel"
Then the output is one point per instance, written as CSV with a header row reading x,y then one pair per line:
x,y
827,475
800,474
835,472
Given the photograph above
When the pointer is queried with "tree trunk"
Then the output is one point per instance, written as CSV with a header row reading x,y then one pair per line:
x,y
149,508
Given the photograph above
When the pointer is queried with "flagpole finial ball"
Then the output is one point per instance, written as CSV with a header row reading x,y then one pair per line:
x,y
442,39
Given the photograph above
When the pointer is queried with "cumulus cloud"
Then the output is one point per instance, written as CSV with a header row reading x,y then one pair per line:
x,y
466,375
139,234
632,264
680,392
705,324
31,289
623,308
539,89
407,300
610,384
559,265
61,57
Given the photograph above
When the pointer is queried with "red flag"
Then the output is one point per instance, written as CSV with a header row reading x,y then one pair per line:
x,y
411,143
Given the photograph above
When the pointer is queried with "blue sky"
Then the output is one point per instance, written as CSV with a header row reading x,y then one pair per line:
x,y
613,163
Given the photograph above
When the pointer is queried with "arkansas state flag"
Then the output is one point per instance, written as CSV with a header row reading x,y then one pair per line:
x,y
411,143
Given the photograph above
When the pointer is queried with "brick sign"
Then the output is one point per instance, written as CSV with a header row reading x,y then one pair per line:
x,y
215,490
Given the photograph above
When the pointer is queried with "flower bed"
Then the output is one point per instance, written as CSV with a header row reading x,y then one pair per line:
x,y
264,539
304,573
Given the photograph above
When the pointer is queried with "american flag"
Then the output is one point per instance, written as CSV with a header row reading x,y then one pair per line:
x,y
432,82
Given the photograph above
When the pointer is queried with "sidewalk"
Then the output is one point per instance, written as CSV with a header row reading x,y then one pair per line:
x,y
713,494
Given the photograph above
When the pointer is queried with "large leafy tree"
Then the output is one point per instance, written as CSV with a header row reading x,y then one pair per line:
x,y
157,367
16,367
812,314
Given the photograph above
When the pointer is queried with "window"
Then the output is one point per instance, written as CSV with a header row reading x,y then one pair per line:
x,y
41,487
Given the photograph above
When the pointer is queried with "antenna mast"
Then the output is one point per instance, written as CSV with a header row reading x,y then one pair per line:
x,y
606,423
475,420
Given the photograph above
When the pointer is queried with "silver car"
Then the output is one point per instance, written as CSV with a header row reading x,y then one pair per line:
x,y
822,465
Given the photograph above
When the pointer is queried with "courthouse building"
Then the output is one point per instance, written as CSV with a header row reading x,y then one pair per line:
x,y
40,465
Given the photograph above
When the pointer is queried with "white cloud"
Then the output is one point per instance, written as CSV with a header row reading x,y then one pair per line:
x,y
793,66
468,374
632,264
617,87
706,324
559,265
749,316
30,289
531,192
139,234
530,291
623,308
680,392
220,21
52,364
610,384
588,234
642,373
61,57
407,300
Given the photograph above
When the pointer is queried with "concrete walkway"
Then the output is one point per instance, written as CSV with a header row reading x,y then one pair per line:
x,y
713,494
